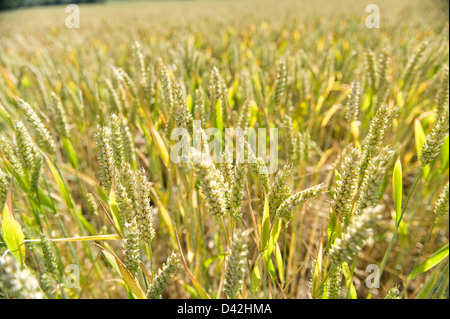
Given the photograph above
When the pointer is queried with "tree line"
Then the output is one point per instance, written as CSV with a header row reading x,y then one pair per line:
x,y
14,4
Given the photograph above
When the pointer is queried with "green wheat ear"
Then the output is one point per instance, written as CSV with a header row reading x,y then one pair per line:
x,y
114,95
49,257
286,209
280,190
279,94
91,203
215,95
211,186
393,293
355,236
144,212
164,276
35,172
442,97
166,97
435,139
259,169
7,150
43,136
377,130
25,148
226,167
442,206
117,141
370,188
372,70
200,106
352,105
17,280
4,188
384,80
131,246
128,144
412,65
183,117
227,171
62,123
334,283
146,75
237,189
124,203
347,183
127,206
105,157
224,100
244,116
235,265
290,135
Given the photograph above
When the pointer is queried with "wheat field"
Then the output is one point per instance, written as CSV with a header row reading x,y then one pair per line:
x,y
353,204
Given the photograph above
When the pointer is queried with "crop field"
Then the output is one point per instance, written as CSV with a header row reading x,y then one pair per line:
x,y
225,149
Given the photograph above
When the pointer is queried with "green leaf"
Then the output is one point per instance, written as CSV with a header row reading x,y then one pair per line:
x,y
276,231
160,145
78,214
12,232
419,136
23,184
444,154
400,99
427,288
203,294
253,113
44,200
269,264
61,185
255,278
189,102
266,224
25,187
420,139
334,229
397,188
349,280
432,261
210,260
102,195
128,279
317,275
190,290
331,234
279,262
166,219
64,191
231,92
366,100
70,152
323,97
81,238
